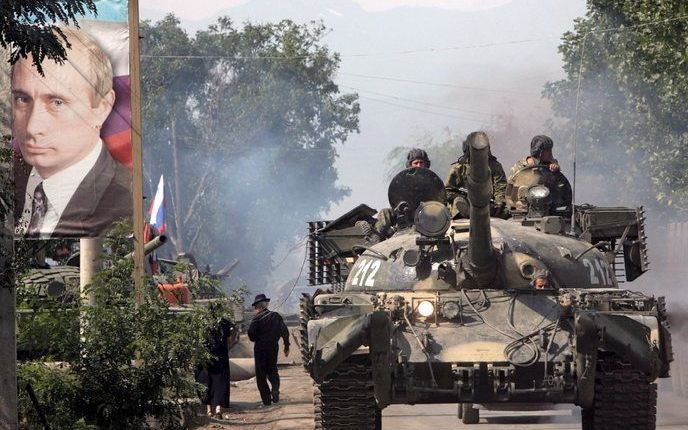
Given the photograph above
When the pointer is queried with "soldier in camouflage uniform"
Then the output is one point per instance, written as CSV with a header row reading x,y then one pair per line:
x,y
457,179
386,220
540,154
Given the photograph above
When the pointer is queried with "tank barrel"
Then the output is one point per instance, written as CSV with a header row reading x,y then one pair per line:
x,y
148,247
482,265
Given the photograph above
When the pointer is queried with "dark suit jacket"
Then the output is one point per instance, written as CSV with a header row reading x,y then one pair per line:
x,y
103,197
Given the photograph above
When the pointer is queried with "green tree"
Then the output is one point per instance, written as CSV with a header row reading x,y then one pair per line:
x,y
30,27
632,122
244,123
127,364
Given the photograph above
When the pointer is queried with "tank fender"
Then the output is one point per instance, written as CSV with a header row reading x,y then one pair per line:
x,y
625,336
381,356
587,342
335,339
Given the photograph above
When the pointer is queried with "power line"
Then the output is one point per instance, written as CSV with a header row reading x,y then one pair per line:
x,y
435,84
355,55
423,110
303,263
416,101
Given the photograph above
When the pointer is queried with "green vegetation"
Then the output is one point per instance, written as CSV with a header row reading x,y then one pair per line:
x,y
125,366
30,27
633,125
243,122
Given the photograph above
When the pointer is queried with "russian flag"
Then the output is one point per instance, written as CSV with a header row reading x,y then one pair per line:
x,y
157,208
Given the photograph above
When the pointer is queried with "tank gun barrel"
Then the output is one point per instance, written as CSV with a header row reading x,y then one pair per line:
x,y
482,265
148,247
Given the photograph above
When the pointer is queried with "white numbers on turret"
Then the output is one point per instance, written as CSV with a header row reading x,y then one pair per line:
x,y
599,272
364,276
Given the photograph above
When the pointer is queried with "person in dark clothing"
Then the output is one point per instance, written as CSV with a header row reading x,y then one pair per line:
x,y
215,373
265,331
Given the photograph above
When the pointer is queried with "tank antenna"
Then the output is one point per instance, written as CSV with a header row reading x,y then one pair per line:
x,y
575,135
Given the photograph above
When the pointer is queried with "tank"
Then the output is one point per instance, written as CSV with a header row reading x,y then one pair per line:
x,y
506,314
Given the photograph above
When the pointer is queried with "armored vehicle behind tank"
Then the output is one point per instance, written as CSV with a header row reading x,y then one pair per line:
x,y
503,313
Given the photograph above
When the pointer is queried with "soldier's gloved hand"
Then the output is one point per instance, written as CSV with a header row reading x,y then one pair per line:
x,y
554,167
286,351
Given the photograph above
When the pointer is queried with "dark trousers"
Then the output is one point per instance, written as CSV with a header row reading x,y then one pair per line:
x,y
266,370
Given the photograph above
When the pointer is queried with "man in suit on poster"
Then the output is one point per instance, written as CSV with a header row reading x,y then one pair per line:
x,y
66,182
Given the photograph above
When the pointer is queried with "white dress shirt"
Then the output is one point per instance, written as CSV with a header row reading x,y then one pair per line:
x,y
59,189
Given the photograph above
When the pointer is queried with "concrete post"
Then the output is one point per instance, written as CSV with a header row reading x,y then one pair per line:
x,y
90,250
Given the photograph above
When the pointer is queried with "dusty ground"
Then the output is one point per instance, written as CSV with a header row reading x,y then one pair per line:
x,y
295,411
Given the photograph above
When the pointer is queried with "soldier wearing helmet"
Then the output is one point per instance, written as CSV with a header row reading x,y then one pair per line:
x,y
540,155
457,181
386,219
541,159
417,158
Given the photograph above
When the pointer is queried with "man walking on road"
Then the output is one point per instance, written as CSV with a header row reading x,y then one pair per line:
x,y
265,330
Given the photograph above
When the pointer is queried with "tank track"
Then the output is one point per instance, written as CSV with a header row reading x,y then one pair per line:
x,y
346,400
622,395
306,313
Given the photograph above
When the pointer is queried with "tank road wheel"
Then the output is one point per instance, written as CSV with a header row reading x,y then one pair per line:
x,y
346,400
306,313
469,414
622,395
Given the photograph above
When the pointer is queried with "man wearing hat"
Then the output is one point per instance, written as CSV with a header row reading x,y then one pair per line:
x,y
265,331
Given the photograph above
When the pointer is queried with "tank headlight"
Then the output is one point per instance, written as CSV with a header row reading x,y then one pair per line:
x,y
538,193
426,308
450,310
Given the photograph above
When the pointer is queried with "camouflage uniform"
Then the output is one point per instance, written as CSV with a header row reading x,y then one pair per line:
x,y
522,163
386,220
560,189
458,178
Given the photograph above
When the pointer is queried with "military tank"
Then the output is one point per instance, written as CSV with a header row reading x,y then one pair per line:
x,y
501,313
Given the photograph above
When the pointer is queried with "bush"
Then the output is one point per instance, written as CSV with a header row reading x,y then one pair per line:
x,y
134,362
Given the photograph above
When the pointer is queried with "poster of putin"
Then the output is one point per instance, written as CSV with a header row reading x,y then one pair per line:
x,y
71,132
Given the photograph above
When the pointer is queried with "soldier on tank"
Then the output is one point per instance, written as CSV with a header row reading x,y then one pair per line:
x,y
540,155
386,220
457,182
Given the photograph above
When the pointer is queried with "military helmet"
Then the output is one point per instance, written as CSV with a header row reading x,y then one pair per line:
x,y
417,154
539,144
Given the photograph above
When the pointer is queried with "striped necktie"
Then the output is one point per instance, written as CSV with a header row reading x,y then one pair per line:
x,y
39,207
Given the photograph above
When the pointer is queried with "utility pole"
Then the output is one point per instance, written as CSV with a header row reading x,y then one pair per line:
x,y
90,250
8,346
136,140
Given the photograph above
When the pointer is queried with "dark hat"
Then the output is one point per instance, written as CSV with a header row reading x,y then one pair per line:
x,y
539,144
417,154
260,298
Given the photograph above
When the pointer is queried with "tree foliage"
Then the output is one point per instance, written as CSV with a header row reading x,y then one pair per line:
x,y
243,122
633,125
128,365
31,27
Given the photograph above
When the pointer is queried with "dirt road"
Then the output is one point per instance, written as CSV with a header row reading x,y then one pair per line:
x,y
295,411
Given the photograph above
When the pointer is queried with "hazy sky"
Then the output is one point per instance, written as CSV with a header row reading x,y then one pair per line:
x,y
200,9
449,65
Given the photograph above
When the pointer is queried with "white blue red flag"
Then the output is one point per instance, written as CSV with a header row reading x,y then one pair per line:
x,y
157,209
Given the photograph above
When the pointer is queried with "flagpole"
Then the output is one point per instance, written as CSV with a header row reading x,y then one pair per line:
x,y
137,153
